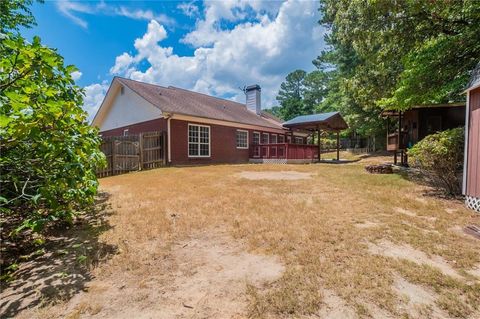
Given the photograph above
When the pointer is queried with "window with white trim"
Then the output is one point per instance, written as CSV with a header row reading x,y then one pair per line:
x,y
256,138
125,132
273,139
265,138
198,140
242,139
281,138
298,140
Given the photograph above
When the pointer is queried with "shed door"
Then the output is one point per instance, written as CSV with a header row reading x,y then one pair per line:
x,y
473,168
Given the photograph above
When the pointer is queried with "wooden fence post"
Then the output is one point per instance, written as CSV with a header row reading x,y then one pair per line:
x,y
113,156
140,158
164,148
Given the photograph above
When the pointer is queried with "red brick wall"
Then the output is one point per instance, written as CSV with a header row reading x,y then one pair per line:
x,y
223,147
137,128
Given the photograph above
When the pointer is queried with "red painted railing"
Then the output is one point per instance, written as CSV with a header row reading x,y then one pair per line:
x,y
284,150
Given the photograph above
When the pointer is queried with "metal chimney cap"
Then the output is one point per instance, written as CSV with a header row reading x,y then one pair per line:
x,y
253,87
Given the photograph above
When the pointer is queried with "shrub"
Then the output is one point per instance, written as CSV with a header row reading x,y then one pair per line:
x,y
49,153
440,158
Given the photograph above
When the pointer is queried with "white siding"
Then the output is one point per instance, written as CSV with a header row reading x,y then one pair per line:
x,y
128,108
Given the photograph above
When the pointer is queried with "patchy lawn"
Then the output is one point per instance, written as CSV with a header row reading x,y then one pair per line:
x,y
273,241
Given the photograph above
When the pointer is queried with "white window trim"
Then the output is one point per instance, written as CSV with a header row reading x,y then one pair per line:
x,y
297,138
241,147
209,141
125,132
261,138
276,139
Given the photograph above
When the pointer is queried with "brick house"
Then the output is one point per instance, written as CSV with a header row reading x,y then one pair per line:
x,y
202,129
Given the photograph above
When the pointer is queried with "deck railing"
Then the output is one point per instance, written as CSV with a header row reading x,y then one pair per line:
x,y
284,151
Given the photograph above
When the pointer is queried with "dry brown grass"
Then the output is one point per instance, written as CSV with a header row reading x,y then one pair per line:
x,y
320,228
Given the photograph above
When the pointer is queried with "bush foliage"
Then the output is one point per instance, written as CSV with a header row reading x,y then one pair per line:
x,y
49,153
440,158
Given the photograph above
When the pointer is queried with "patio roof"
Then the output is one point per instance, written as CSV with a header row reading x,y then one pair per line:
x,y
386,113
331,121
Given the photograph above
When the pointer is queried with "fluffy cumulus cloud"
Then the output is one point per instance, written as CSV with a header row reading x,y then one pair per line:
x,y
76,75
94,95
236,43
189,9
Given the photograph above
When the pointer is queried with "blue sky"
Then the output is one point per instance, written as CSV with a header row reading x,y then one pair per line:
x,y
213,47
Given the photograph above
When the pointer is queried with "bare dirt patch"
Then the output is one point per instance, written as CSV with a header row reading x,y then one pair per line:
x,y
207,277
367,224
475,271
279,175
335,307
389,249
418,302
212,276
405,212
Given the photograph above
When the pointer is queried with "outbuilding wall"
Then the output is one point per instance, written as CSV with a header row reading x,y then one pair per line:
x,y
472,191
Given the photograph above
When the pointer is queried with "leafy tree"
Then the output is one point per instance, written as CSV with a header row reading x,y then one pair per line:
x,y
316,89
15,14
439,157
275,111
301,93
395,54
49,151
401,53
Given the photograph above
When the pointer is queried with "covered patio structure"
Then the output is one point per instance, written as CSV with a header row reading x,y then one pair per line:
x,y
312,125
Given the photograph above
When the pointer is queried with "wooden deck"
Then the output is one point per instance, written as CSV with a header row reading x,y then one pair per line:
x,y
283,153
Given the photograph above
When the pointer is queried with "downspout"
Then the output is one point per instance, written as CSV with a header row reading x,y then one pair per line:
x,y
168,116
465,154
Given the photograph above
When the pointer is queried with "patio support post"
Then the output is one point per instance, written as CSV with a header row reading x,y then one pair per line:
x,y
338,145
319,144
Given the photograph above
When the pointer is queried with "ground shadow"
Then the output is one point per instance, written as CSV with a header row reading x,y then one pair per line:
x,y
338,162
432,189
63,266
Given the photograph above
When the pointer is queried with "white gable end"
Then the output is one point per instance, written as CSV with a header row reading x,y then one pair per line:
x,y
128,108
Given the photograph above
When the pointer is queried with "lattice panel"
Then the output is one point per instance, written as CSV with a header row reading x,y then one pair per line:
x,y
473,203
275,160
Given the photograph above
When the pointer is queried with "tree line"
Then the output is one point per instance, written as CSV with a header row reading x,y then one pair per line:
x,y
385,54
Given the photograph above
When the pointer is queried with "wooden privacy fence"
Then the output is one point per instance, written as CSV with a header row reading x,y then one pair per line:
x,y
133,153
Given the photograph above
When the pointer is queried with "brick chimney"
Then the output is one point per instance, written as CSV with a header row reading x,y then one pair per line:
x,y
254,102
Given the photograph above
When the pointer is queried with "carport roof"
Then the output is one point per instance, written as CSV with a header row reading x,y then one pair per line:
x,y
331,121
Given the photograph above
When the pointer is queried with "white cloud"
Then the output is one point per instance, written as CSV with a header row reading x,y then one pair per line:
x,y
144,15
76,75
280,38
71,10
94,95
189,9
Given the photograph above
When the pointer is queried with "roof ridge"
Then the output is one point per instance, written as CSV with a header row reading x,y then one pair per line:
x,y
211,96
141,82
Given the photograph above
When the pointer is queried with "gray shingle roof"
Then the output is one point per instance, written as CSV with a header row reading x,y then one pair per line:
x,y
331,121
475,78
180,101
310,118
